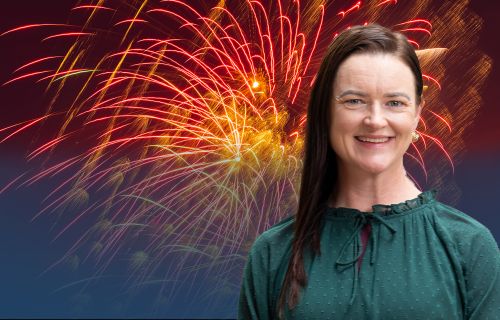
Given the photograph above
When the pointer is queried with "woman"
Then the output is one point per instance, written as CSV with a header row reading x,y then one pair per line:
x,y
422,258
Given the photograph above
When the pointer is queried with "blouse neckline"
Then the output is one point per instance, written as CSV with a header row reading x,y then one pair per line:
x,y
386,210
379,214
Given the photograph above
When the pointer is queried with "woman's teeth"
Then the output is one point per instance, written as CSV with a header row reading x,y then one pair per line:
x,y
378,140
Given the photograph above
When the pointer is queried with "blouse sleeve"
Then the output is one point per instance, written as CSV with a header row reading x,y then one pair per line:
x,y
254,294
482,277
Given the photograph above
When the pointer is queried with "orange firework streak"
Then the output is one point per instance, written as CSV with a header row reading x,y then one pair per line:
x,y
194,121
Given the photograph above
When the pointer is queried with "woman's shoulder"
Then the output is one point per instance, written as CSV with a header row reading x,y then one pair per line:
x,y
273,245
457,220
279,233
466,232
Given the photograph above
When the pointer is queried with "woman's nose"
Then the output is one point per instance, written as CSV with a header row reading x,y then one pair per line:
x,y
375,116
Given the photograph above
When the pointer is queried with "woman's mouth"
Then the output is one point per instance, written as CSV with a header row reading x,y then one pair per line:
x,y
379,141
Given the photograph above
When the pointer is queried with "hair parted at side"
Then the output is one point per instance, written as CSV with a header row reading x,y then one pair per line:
x,y
319,173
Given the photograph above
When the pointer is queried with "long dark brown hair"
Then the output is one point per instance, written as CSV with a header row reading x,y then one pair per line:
x,y
319,175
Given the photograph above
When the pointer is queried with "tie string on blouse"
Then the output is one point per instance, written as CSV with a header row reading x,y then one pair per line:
x,y
361,220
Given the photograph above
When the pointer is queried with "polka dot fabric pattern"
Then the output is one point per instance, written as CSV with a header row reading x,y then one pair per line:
x,y
423,260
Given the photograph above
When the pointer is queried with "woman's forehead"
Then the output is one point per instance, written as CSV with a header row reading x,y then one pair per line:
x,y
374,72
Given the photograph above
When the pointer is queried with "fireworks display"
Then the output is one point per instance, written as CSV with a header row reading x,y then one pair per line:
x,y
180,126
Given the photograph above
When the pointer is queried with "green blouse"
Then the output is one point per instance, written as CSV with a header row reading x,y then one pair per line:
x,y
423,260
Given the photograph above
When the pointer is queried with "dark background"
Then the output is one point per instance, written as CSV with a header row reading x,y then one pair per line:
x,y
27,247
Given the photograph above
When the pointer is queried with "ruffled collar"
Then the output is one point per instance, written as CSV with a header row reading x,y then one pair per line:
x,y
385,209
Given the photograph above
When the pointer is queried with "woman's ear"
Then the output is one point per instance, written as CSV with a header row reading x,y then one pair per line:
x,y
420,106
419,110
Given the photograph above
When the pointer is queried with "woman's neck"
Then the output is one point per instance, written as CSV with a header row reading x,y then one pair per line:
x,y
360,191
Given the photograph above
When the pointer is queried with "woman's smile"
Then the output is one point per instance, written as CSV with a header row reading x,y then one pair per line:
x,y
374,143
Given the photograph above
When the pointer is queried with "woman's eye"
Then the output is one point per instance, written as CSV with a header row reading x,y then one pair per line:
x,y
395,103
354,101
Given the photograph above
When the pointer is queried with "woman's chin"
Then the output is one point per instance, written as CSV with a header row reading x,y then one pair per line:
x,y
374,168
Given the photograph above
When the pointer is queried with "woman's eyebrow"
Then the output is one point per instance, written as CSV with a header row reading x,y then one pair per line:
x,y
355,92
397,94
362,94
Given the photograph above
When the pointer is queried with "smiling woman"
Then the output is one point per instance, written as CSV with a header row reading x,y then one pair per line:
x,y
427,260
376,109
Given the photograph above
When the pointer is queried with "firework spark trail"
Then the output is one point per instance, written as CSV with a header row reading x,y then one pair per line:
x,y
194,142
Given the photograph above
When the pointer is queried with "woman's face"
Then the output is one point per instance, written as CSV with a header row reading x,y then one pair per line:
x,y
373,98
